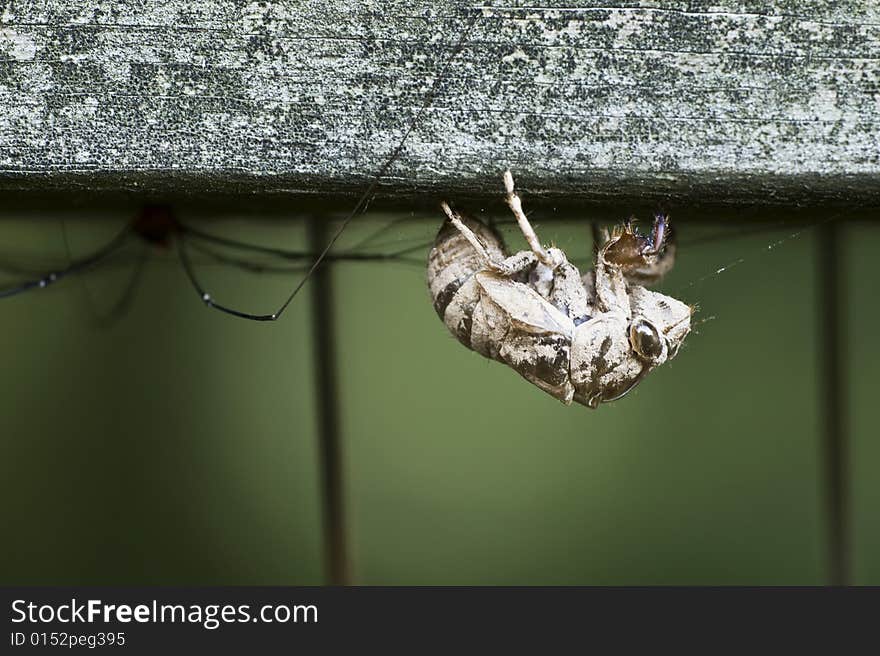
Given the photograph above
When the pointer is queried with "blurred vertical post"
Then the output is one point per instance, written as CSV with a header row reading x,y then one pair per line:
x,y
833,309
327,405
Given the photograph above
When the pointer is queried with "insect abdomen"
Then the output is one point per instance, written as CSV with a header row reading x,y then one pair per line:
x,y
471,313
451,268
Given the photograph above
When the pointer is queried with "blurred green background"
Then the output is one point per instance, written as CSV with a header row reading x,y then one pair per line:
x,y
178,445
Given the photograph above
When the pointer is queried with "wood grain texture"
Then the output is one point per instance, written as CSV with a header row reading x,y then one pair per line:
x,y
731,101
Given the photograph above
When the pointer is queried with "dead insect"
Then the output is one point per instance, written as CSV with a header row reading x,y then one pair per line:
x,y
590,339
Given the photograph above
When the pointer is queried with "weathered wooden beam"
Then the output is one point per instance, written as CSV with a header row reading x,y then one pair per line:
x,y
730,101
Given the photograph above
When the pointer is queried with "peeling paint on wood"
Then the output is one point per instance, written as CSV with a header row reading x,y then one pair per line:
x,y
733,100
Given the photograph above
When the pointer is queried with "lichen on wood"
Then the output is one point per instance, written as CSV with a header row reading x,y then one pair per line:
x,y
733,100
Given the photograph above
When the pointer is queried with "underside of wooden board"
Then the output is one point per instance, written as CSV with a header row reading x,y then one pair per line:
x,y
733,101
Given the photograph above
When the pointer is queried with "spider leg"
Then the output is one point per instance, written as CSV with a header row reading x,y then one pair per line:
x,y
183,246
241,245
123,303
186,263
75,267
358,209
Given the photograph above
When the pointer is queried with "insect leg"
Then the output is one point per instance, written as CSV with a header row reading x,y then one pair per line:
x,y
512,266
657,255
467,233
515,204
658,235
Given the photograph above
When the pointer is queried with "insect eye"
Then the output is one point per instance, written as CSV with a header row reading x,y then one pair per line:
x,y
645,340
